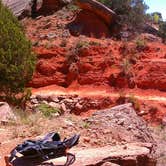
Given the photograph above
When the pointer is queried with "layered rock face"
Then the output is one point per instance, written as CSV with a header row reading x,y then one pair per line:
x,y
50,68
96,65
107,15
53,68
151,74
89,24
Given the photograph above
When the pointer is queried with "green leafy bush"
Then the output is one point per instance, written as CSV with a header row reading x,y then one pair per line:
x,y
140,43
162,30
17,61
47,110
131,12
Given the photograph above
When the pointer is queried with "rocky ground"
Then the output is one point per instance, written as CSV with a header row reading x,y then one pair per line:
x,y
108,129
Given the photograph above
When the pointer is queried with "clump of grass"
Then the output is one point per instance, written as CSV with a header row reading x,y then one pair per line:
x,y
132,99
73,7
94,43
86,125
81,44
126,66
27,118
140,43
47,110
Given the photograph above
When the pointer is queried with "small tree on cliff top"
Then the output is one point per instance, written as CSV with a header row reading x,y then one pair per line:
x,y
162,30
131,12
16,58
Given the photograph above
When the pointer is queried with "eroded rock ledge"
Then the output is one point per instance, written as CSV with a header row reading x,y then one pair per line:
x,y
123,155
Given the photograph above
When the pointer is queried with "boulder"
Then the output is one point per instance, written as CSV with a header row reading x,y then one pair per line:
x,y
123,123
128,155
6,113
89,24
106,14
18,7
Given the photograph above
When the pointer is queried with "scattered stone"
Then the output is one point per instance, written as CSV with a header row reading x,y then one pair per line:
x,y
51,35
6,113
44,102
86,139
34,101
63,107
42,36
164,121
48,25
55,105
54,98
39,17
78,106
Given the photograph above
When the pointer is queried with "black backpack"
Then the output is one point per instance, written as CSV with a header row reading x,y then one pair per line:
x,y
47,148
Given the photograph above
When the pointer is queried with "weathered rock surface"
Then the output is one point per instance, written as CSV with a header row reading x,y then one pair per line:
x,y
49,6
71,103
18,7
123,155
123,124
151,74
6,113
106,14
89,24
128,140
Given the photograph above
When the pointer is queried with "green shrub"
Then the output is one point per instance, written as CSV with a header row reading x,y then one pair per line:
x,y
81,44
140,43
17,61
156,18
162,30
47,110
131,12
73,7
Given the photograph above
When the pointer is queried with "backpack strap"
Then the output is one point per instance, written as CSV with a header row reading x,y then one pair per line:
x,y
70,159
51,137
13,154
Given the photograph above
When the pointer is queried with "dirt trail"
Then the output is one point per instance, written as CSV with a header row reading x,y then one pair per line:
x,y
147,95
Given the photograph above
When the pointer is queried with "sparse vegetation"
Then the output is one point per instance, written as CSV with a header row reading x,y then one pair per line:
x,y
47,110
132,99
162,30
126,66
81,44
140,43
86,125
94,43
73,7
